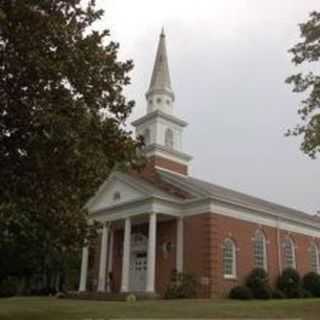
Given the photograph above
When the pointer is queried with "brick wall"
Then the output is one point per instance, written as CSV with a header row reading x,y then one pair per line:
x,y
243,233
203,252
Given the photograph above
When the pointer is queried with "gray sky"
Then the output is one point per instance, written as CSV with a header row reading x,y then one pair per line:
x,y
228,61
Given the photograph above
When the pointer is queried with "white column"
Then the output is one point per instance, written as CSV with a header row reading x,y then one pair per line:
x,y
126,256
151,268
179,247
103,258
84,269
110,260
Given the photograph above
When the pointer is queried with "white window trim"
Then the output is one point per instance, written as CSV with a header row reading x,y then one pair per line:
x,y
234,261
293,249
265,253
314,245
169,139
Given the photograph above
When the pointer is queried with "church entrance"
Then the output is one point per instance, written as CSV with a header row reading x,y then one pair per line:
x,y
138,262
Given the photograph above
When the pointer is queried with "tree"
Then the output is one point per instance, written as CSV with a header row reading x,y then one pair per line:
x,y
308,51
62,127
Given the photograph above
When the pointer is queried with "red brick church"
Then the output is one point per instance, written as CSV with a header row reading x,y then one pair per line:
x,y
163,219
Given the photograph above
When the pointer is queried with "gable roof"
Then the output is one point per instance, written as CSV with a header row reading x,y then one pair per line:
x,y
146,188
206,189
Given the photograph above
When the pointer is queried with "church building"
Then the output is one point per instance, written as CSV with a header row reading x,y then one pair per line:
x,y
162,219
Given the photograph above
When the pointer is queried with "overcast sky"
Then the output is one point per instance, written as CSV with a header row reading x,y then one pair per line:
x,y
228,61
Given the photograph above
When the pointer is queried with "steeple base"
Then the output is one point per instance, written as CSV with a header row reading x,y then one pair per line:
x,y
166,164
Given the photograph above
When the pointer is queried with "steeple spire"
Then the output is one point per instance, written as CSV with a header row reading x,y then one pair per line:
x,y
160,81
161,128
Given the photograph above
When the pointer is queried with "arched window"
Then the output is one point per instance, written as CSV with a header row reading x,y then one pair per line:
x,y
260,250
229,259
146,137
289,254
169,138
314,257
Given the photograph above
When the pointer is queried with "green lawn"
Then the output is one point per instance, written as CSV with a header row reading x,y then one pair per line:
x,y
53,309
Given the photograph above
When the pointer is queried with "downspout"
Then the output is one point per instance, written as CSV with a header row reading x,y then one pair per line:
x,y
279,245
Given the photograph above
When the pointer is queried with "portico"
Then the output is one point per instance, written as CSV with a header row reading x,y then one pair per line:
x,y
139,253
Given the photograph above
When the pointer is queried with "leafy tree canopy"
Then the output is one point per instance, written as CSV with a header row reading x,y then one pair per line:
x,y
308,51
62,124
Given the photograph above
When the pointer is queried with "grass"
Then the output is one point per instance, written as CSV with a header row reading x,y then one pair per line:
x,y
54,309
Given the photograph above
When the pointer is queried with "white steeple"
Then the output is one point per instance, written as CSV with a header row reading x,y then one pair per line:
x,y
161,129
160,95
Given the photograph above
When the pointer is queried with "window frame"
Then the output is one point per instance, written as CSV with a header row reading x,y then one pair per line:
x,y
314,246
293,252
260,236
233,259
169,137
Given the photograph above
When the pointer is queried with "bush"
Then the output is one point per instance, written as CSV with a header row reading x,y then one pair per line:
x,y
131,298
277,294
8,287
241,293
305,293
289,283
311,282
258,282
60,295
181,286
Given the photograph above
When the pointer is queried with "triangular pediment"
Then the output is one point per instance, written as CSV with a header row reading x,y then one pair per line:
x,y
116,190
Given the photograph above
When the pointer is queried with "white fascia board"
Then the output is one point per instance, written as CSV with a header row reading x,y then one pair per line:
x,y
254,210
205,205
134,208
264,219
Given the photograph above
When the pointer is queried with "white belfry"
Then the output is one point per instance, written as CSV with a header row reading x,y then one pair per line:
x,y
161,128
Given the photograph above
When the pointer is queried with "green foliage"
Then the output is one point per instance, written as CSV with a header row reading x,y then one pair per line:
x,y
306,294
131,298
181,286
278,294
308,51
241,293
311,282
258,282
289,283
62,128
8,287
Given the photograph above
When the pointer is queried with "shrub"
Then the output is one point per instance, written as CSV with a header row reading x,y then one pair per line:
x,y
289,283
241,293
182,285
60,295
277,294
311,282
305,293
131,298
8,287
258,282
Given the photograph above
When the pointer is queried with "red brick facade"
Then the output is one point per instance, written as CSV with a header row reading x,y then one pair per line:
x,y
204,235
203,252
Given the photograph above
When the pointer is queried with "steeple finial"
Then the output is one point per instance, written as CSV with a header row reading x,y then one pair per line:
x,y
162,32
160,80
